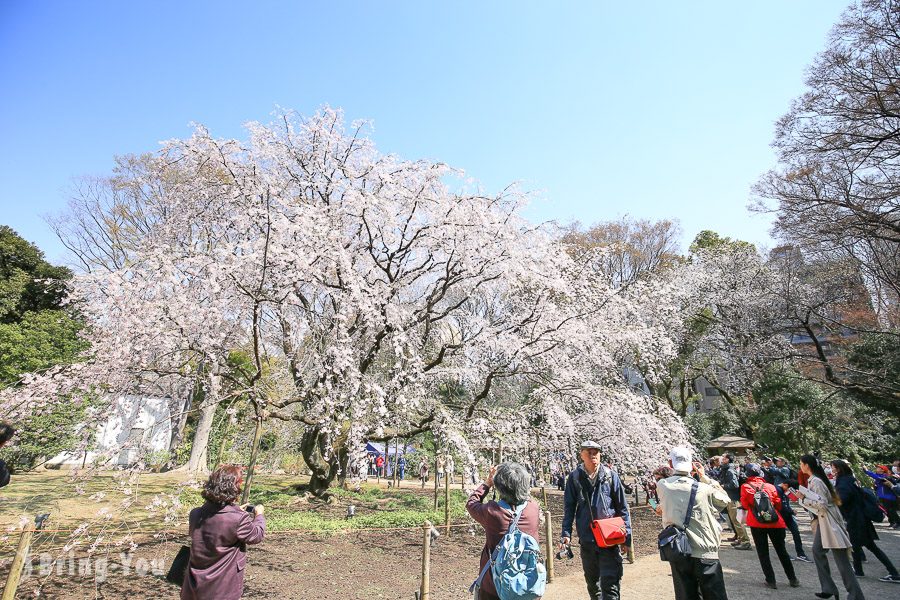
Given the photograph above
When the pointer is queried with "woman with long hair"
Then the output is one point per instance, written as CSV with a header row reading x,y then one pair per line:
x,y
823,502
859,527
220,531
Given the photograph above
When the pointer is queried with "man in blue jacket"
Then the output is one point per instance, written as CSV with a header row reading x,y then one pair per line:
x,y
594,491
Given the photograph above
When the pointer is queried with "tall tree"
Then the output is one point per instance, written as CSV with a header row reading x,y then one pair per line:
x,y
836,190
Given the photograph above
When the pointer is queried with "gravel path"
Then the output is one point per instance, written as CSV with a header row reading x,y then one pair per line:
x,y
650,579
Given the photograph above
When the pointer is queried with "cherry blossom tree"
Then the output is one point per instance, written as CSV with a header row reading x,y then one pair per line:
x,y
360,285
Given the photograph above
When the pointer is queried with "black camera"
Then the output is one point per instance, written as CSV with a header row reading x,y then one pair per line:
x,y
565,552
250,509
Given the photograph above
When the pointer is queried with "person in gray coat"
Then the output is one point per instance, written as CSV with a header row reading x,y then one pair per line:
x,y
220,533
829,531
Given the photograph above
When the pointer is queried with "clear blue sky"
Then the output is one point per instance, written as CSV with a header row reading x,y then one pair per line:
x,y
656,109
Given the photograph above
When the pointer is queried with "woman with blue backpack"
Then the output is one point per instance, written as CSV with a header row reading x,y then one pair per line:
x,y
859,523
511,565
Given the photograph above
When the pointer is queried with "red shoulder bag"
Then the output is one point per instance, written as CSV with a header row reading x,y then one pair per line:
x,y
607,532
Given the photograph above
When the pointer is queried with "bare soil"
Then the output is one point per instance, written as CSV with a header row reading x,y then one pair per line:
x,y
305,566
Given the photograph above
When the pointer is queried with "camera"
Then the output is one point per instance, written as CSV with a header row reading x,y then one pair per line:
x,y
565,552
250,509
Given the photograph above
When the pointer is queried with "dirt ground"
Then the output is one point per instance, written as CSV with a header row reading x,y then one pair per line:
x,y
302,566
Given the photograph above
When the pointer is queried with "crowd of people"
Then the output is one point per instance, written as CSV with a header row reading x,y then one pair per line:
x,y
754,499
757,496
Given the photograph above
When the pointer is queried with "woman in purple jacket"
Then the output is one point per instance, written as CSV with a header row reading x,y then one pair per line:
x,y
513,483
220,531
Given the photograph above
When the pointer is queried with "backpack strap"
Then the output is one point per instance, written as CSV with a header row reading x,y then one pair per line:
x,y
513,525
690,507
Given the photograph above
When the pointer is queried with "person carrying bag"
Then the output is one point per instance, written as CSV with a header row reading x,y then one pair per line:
x,y
689,541
595,504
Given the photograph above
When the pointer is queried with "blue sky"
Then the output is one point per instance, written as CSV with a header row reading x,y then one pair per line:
x,y
654,109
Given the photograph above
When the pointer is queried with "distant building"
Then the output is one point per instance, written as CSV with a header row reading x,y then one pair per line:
x,y
136,425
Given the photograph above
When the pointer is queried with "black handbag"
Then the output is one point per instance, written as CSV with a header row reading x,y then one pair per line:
x,y
179,566
673,540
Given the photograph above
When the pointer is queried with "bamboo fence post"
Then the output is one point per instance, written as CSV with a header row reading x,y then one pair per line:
x,y
447,505
424,588
548,540
437,481
15,570
254,454
544,494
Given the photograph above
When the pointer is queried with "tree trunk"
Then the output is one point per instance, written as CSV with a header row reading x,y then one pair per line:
x,y
180,421
200,448
314,447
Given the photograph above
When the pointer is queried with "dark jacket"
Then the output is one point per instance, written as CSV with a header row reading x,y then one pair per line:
x,y
787,510
495,520
778,475
219,538
728,477
859,526
4,474
608,500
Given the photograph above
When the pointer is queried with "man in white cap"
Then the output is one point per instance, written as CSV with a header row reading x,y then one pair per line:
x,y
594,491
700,575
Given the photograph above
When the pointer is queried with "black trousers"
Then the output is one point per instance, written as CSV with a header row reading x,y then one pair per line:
x,y
761,538
878,553
890,506
599,587
791,523
697,578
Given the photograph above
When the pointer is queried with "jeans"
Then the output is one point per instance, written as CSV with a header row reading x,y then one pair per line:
x,y
878,553
696,578
842,560
791,523
761,538
599,587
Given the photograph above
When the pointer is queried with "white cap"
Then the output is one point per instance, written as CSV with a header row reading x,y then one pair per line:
x,y
681,459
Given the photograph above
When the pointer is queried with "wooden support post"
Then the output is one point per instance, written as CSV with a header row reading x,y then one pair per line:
x,y
437,481
544,494
548,540
447,504
18,563
500,460
254,453
424,588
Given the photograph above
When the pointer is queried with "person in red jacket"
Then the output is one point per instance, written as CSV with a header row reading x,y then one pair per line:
x,y
765,529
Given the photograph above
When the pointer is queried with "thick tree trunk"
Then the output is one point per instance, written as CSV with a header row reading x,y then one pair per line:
x,y
324,465
200,448
180,420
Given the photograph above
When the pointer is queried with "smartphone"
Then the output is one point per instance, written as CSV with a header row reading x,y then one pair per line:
x,y
653,503
792,495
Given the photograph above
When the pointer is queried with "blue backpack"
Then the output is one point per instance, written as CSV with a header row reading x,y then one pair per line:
x,y
516,564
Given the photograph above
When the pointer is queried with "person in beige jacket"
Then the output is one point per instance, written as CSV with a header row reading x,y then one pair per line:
x,y
702,572
829,531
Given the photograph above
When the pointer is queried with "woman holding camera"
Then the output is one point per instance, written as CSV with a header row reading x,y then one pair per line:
x,y
513,483
220,532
